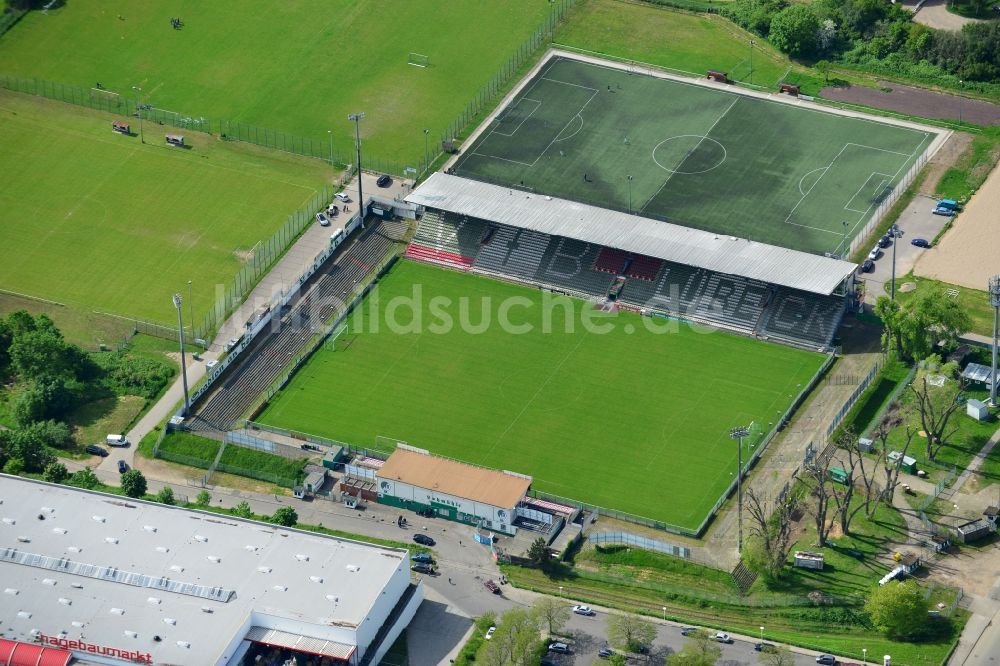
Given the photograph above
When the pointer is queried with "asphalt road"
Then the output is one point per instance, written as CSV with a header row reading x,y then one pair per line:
x,y
916,221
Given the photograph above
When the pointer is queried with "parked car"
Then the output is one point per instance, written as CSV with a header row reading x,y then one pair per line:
x,y
723,637
384,181
94,449
561,648
423,558
548,661
583,610
687,631
875,253
920,242
323,220
342,197
868,266
423,539
492,586
827,659
422,568
122,467
489,633
606,652
764,647
885,241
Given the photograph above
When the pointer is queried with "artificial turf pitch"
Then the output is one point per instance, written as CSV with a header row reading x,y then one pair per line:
x,y
101,222
629,419
698,156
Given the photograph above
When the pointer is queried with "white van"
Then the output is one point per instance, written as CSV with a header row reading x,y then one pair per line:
x,y
116,440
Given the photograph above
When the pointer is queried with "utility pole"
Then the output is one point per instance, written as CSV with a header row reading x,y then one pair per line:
x,y
994,288
752,44
357,118
180,333
138,110
738,434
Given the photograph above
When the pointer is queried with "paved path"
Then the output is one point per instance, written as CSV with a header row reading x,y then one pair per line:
x,y
935,14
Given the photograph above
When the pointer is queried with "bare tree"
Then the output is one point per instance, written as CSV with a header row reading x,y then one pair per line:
x,y
844,494
771,524
779,656
552,613
892,467
936,404
630,631
818,473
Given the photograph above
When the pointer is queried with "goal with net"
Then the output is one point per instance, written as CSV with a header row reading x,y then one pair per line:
x,y
418,60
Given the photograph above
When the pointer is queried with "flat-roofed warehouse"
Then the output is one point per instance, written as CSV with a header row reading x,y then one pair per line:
x,y
112,580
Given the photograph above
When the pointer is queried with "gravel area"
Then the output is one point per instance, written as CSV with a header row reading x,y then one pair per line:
x,y
917,102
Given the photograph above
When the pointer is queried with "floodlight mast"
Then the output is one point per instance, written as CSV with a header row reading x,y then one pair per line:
x,y
180,334
994,289
738,434
357,118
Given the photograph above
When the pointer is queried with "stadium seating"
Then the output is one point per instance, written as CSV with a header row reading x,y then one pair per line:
x,y
732,301
610,260
802,318
319,299
567,264
442,239
511,251
644,268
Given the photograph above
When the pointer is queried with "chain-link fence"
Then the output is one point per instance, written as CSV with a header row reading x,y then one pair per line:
x,y
636,541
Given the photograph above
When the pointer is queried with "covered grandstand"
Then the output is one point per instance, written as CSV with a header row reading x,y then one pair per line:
x,y
656,267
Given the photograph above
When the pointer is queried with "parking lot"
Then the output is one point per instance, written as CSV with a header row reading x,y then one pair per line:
x,y
916,221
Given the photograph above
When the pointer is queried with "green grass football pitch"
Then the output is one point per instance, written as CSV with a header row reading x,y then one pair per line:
x,y
99,222
299,67
627,419
701,157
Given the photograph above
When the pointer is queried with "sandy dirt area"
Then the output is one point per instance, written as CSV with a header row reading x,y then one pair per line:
x,y
944,159
917,102
969,254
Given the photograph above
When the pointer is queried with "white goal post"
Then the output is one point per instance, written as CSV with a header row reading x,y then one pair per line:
x,y
418,60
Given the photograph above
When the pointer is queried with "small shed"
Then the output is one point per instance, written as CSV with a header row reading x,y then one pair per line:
x,y
990,514
910,563
978,373
866,445
333,457
176,140
805,559
977,409
121,127
908,464
315,478
941,542
974,530
839,475
716,75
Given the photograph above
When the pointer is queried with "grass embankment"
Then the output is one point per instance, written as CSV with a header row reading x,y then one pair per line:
x,y
974,301
641,581
971,169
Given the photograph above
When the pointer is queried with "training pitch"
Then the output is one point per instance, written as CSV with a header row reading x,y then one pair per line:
x,y
300,67
698,156
100,222
630,419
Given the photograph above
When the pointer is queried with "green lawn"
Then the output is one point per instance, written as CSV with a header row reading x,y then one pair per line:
x,y
702,157
629,419
99,222
300,67
976,302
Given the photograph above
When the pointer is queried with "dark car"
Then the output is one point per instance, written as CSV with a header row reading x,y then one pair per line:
x,y
122,467
885,241
422,568
606,652
423,539
94,449
384,181
546,661
561,648
920,242
422,558
687,631
827,659
492,586
946,212
868,266
764,647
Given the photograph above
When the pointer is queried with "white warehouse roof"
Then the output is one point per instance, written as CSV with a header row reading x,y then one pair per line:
x,y
116,572
632,233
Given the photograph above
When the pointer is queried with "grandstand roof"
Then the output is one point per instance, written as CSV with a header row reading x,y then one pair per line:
x,y
632,233
479,484
122,571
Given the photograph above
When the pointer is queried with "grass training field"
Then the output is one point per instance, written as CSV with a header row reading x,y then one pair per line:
x,y
629,419
698,156
99,222
300,67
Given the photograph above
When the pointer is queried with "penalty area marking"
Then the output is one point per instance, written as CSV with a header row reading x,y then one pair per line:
x,y
559,136
537,106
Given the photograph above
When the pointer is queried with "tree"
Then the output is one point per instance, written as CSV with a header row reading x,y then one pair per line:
x,y
819,473
285,516
133,483
553,613
165,496
243,510
844,493
897,608
538,552
630,631
926,318
55,472
823,67
779,656
770,532
699,650
203,499
937,403
895,418
85,478
515,639
794,30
